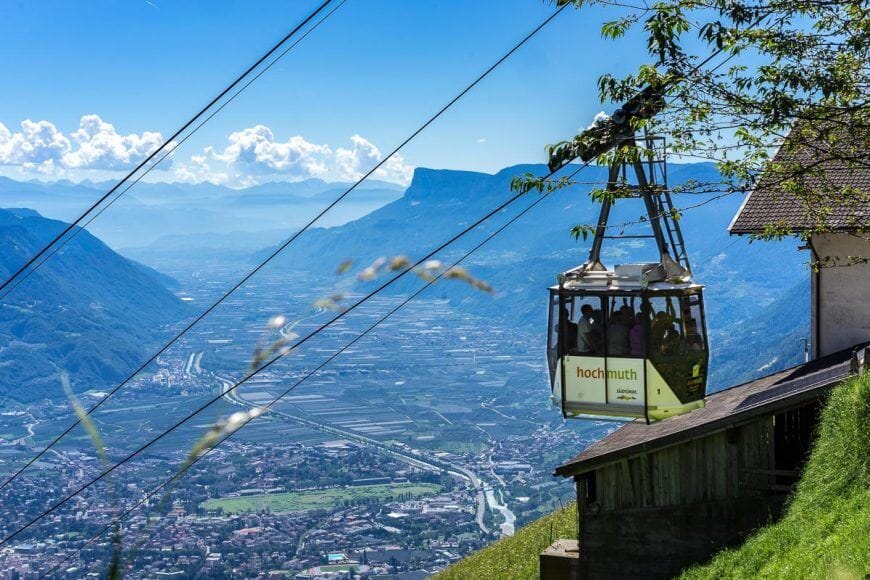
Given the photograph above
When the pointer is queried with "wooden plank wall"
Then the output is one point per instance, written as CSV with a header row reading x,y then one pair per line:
x,y
655,513
724,465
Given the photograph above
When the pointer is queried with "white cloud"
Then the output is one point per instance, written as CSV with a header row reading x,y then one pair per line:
x,y
39,146
197,170
254,155
255,151
250,156
100,146
351,164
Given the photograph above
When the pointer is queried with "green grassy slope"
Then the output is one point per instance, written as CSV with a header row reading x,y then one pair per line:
x,y
825,532
516,557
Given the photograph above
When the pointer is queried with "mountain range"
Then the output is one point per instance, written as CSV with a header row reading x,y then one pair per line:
x,y
88,313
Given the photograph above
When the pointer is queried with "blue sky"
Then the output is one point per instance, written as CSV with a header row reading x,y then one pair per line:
x,y
375,70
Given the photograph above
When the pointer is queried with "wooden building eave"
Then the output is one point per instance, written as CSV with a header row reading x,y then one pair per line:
x,y
826,373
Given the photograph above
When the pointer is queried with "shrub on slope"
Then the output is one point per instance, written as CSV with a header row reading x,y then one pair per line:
x,y
825,532
516,557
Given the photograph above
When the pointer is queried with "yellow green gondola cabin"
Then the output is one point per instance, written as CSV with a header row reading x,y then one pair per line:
x,y
623,343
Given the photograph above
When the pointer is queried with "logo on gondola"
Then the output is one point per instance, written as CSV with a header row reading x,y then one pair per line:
x,y
626,395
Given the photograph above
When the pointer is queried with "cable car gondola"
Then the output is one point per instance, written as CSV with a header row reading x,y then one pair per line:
x,y
630,341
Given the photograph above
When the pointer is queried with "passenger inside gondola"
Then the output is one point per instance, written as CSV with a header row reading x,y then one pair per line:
x,y
588,341
618,331
661,327
672,343
637,334
692,326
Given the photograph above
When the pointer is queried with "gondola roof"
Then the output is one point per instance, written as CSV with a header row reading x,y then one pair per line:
x,y
625,278
629,286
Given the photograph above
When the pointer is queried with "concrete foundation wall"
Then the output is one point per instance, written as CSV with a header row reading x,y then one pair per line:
x,y
841,294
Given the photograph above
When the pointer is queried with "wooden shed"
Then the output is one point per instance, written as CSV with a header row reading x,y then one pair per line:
x,y
654,499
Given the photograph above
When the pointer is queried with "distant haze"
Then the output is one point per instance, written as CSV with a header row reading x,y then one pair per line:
x,y
151,211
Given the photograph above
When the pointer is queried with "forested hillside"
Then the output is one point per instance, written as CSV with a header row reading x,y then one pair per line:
x,y
89,311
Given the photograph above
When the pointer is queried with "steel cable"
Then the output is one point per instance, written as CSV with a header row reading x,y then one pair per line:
x,y
289,241
308,375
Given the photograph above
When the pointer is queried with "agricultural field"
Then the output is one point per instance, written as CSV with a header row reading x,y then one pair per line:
x,y
320,499
338,568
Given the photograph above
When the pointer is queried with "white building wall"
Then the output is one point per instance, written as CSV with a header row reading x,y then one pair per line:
x,y
841,294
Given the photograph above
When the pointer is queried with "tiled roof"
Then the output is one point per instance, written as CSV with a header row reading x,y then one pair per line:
x,y
734,405
832,167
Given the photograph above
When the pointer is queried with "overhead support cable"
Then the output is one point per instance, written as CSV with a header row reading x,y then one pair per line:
x,y
251,374
71,226
176,337
266,261
304,378
284,245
